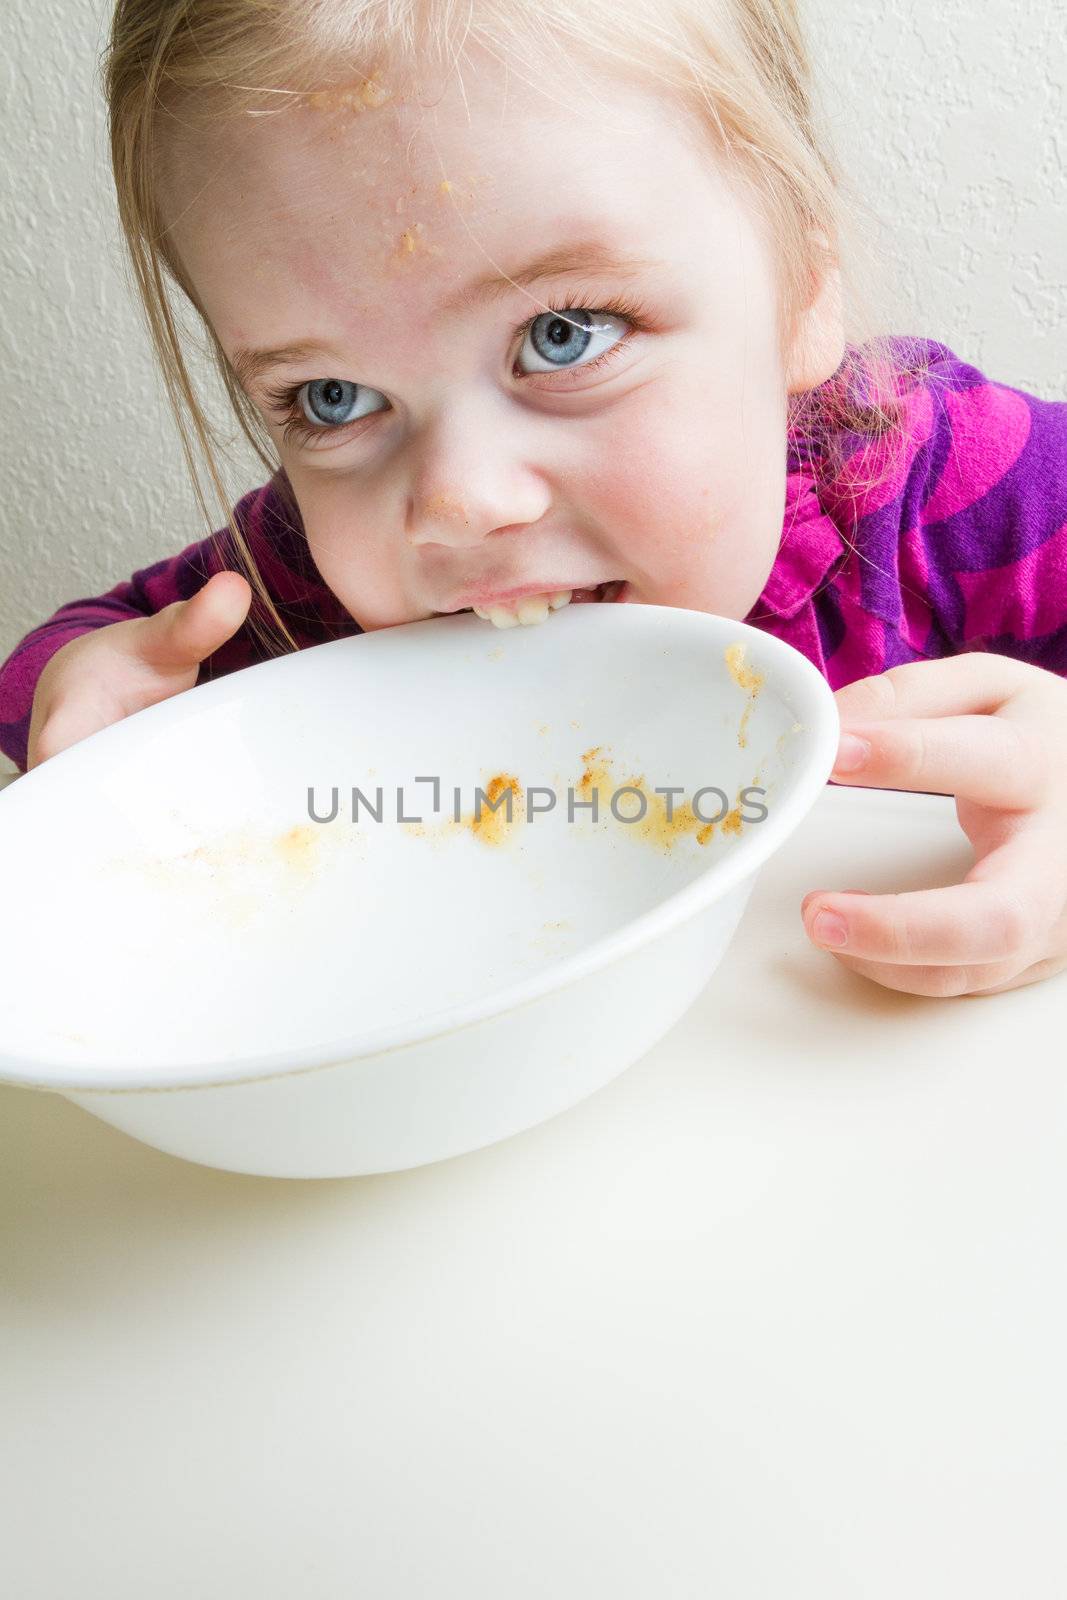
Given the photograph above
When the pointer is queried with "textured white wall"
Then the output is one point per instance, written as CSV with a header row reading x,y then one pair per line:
x,y
949,114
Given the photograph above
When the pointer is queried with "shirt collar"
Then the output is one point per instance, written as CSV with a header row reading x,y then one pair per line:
x,y
810,546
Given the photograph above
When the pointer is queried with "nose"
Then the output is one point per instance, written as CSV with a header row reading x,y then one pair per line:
x,y
470,477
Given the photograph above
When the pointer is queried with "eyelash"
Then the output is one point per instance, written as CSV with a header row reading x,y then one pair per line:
x,y
285,401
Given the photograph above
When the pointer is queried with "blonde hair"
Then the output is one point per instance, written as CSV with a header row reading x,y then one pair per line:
x,y
740,66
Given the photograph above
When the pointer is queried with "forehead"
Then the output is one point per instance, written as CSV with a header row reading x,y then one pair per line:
x,y
381,190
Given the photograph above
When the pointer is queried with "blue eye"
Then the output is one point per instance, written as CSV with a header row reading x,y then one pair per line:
x,y
332,402
343,402
571,337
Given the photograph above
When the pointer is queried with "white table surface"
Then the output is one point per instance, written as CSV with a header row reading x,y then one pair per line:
x,y
779,1314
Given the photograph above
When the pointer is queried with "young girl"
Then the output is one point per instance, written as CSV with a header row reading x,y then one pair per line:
x,y
553,307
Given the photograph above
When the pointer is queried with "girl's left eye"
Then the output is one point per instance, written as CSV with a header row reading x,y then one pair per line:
x,y
568,337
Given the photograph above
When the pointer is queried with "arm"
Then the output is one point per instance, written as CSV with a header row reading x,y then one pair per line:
x,y
965,548
963,544
274,534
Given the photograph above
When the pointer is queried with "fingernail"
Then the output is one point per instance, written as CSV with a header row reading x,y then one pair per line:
x,y
852,753
829,928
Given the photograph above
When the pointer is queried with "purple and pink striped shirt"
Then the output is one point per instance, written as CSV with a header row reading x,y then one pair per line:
x,y
955,541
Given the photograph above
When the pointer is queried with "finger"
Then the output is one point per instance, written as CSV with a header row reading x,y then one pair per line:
x,y
939,982
1004,910
990,760
974,683
1033,974
185,633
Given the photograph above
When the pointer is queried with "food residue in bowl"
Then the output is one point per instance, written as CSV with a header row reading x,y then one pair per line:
x,y
491,823
242,866
661,821
746,678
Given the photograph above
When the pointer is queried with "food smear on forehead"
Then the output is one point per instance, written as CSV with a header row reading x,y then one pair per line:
x,y
413,242
366,95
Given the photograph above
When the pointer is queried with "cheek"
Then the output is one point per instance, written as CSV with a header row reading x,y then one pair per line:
x,y
359,564
659,479
688,493
337,545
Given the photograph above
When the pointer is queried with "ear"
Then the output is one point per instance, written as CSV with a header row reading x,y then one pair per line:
x,y
817,344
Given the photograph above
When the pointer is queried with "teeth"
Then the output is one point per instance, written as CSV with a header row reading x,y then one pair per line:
x,y
530,609
534,608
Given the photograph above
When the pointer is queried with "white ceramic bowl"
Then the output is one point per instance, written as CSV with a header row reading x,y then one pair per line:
x,y
190,955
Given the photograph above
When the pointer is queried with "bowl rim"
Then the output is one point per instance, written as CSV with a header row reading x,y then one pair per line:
x,y
796,678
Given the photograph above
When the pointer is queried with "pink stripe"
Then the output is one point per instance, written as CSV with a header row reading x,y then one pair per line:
x,y
913,574
990,425
1023,599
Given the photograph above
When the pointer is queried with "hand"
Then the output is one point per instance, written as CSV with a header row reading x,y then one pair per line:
x,y
101,677
993,732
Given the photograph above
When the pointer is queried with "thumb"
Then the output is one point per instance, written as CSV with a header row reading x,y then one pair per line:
x,y
186,632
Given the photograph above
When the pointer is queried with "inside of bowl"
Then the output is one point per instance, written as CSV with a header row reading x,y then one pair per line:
x,y
271,872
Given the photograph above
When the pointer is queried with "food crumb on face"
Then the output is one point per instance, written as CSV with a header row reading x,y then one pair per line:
x,y
366,95
413,242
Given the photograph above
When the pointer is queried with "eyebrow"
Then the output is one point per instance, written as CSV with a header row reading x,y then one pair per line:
x,y
587,257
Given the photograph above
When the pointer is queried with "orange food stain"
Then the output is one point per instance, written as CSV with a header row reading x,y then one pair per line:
x,y
597,776
655,827
492,826
298,847
745,678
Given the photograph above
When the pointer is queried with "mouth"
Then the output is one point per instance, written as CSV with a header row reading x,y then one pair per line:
x,y
529,605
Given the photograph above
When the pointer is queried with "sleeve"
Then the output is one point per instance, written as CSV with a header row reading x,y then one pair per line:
x,y
270,524
963,541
